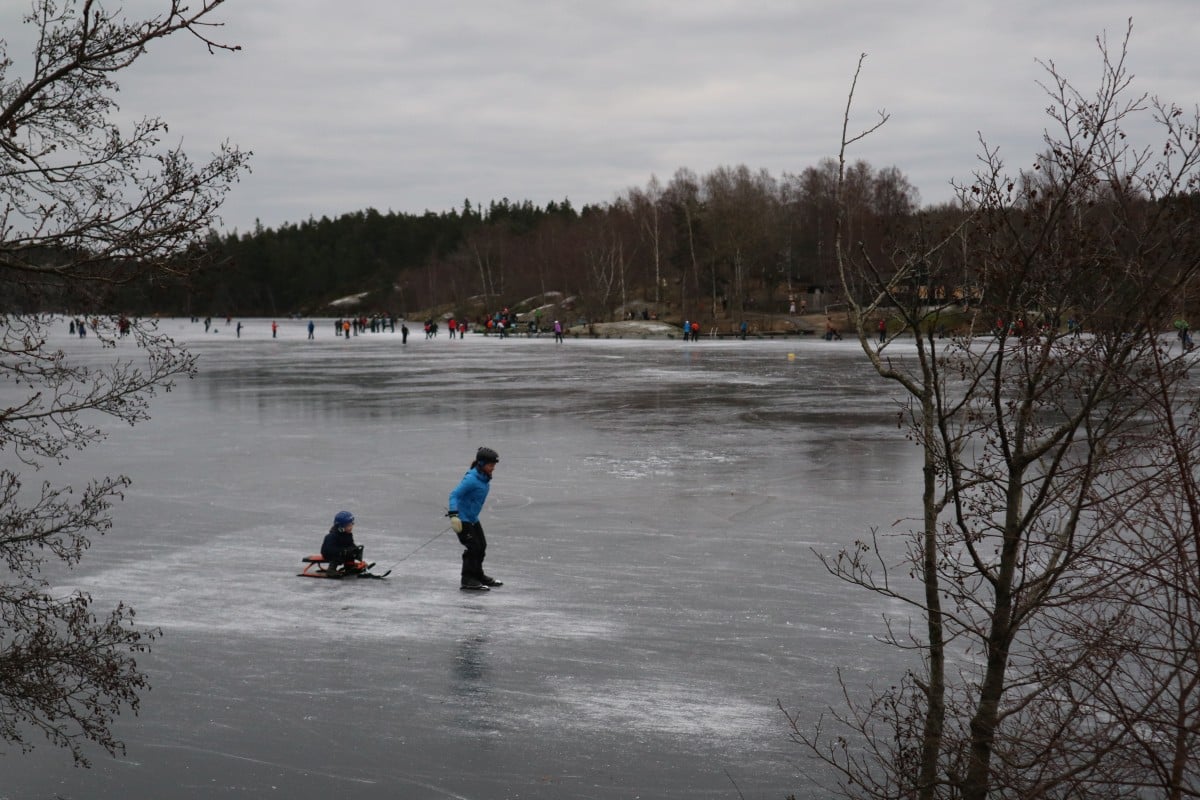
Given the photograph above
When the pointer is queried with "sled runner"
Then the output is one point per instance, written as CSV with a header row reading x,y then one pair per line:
x,y
315,567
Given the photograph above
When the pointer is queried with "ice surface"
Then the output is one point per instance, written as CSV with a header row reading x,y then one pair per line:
x,y
653,516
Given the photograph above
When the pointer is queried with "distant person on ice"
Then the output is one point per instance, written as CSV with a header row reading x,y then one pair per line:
x,y
466,501
339,550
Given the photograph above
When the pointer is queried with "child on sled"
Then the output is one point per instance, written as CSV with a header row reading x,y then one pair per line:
x,y
342,556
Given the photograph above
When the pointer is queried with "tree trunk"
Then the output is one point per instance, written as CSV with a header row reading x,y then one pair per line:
x,y
935,691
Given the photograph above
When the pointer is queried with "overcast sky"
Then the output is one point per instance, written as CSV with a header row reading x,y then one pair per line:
x,y
415,105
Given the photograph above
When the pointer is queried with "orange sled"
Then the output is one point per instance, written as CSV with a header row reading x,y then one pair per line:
x,y
316,567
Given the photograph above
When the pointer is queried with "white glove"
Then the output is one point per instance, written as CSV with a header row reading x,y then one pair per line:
x,y
455,522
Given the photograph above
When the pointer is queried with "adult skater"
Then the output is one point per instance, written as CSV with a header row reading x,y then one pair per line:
x,y
341,553
466,501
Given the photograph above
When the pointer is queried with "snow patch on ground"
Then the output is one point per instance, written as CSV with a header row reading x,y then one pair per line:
x,y
350,300
646,329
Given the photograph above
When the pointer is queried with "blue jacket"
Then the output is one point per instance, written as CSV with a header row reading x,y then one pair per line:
x,y
467,498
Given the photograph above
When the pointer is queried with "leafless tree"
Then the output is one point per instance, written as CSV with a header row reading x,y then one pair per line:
x,y
648,206
610,242
1148,693
685,200
88,208
1033,577
744,209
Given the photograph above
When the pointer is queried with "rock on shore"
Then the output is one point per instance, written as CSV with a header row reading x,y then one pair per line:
x,y
627,329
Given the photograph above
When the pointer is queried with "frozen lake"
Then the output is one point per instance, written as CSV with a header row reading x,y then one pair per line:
x,y
653,516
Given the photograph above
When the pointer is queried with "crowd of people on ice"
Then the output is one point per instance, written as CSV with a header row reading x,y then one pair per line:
x,y
502,323
377,323
79,326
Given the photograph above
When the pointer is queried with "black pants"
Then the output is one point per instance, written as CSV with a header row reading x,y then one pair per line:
x,y
473,540
344,556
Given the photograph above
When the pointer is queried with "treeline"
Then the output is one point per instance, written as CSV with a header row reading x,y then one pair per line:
x,y
696,246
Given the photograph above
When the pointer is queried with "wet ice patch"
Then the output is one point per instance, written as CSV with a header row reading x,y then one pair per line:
x,y
699,712
246,582
635,465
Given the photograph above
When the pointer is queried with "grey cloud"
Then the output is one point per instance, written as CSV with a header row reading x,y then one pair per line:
x,y
417,106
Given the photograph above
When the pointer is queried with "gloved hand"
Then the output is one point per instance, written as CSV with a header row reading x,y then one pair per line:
x,y
455,522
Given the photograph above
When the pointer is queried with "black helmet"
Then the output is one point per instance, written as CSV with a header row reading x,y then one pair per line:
x,y
486,455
